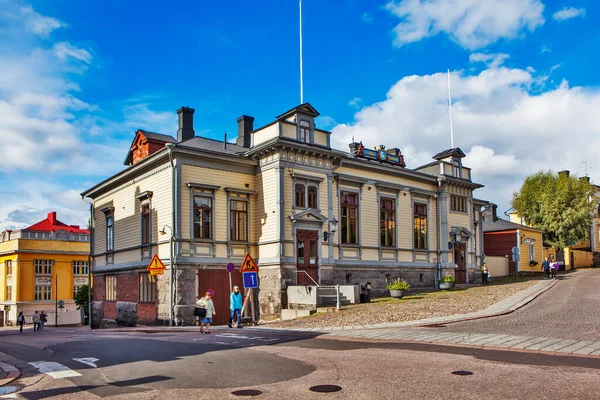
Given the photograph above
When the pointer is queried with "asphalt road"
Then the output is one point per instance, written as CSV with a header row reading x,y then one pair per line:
x,y
281,366
569,310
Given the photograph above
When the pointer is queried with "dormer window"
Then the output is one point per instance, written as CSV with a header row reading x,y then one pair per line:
x,y
456,168
305,131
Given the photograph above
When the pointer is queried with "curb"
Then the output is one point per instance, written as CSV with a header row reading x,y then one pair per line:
x,y
11,371
509,310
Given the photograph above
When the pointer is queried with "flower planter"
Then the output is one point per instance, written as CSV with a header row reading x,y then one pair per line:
x,y
446,285
397,294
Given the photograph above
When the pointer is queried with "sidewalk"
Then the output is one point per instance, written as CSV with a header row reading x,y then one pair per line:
x,y
505,306
8,373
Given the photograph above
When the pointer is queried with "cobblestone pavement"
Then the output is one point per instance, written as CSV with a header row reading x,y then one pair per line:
x,y
569,310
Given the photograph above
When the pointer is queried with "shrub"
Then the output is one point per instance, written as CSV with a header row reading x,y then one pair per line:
x,y
447,279
399,285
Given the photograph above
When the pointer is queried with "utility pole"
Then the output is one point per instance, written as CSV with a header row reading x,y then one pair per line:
x,y
56,302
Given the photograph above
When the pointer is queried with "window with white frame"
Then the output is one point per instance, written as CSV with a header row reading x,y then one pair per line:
x,y
146,224
147,289
8,293
8,265
456,168
76,289
43,267
80,267
531,247
111,288
42,292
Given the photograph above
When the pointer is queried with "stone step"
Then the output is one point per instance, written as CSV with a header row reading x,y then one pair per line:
x,y
333,302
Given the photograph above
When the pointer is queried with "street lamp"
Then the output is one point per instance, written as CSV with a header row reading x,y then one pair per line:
x,y
332,229
164,232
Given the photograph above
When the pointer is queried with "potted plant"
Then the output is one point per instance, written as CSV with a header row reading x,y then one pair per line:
x,y
447,282
533,263
398,288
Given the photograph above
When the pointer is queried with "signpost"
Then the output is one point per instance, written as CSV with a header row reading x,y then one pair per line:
x,y
230,268
249,271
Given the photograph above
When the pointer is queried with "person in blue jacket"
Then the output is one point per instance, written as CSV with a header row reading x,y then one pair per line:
x,y
546,268
235,306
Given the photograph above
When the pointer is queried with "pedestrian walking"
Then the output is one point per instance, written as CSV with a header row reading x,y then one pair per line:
x,y
484,274
546,268
235,307
43,319
36,321
553,269
21,321
206,304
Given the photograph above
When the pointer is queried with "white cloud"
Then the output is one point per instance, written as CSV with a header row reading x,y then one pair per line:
x,y
471,23
492,60
505,129
355,102
63,50
568,13
38,24
325,122
367,17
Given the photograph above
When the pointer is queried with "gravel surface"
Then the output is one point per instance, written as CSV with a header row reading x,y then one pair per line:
x,y
415,307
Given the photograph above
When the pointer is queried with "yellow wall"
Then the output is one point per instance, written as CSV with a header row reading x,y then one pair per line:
x,y
267,133
23,277
524,250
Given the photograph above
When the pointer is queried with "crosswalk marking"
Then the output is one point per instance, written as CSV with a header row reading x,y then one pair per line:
x,y
54,369
91,361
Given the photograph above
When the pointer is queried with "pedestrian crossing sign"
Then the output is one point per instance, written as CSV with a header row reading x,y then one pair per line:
x,y
249,265
156,266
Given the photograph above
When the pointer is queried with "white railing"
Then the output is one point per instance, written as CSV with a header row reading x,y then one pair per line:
x,y
309,277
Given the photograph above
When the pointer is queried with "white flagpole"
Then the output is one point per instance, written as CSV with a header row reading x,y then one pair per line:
x,y
301,77
450,107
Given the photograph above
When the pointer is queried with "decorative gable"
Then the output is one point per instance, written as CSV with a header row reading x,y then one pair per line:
x,y
144,144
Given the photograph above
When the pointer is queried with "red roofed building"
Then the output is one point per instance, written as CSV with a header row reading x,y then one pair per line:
x,y
51,224
39,265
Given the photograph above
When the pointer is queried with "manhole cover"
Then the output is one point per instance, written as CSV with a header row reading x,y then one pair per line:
x,y
462,373
247,392
325,388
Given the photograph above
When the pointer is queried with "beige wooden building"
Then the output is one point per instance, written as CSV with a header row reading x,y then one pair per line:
x,y
307,213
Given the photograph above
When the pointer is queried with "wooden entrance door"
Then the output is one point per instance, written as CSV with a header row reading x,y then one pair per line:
x,y
460,259
307,257
219,282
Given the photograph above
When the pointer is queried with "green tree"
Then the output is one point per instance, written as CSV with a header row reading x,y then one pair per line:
x,y
562,206
82,299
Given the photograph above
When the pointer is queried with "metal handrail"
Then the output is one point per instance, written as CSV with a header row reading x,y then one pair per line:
x,y
309,277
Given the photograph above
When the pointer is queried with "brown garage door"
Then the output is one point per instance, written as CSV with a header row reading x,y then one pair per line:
x,y
219,282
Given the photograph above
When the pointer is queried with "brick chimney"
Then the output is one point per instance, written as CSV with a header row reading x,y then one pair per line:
x,y
245,128
52,217
186,124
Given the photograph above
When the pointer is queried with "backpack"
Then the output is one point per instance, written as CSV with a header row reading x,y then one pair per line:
x,y
20,319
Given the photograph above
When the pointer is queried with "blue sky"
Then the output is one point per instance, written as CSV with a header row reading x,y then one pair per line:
x,y
79,78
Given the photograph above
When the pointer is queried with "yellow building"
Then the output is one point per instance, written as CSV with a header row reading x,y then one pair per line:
x,y
35,262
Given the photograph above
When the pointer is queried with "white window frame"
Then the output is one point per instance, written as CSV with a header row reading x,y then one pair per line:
x,y
110,287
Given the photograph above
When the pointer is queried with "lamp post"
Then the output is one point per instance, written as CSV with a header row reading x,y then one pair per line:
x,y
332,229
164,232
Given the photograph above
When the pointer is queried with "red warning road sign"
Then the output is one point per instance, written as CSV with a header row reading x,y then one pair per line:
x,y
156,266
249,265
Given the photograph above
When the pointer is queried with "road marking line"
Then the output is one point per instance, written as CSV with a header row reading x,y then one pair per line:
x,y
91,361
54,369
235,336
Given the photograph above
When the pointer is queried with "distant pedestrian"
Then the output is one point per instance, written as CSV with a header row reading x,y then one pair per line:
x,y
36,321
484,274
206,303
553,269
43,319
546,268
21,321
235,306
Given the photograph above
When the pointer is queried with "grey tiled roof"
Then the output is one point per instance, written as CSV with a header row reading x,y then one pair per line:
x,y
216,146
503,225
158,136
446,153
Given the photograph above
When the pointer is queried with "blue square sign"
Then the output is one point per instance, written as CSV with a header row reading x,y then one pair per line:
x,y
250,280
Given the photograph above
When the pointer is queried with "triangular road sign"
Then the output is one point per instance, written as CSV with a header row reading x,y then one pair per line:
x,y
249,265
156,264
